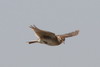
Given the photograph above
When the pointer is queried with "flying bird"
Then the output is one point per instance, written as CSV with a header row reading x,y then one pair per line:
x,y
49,38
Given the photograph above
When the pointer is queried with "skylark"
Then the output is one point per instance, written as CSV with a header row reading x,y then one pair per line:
x,y
49,38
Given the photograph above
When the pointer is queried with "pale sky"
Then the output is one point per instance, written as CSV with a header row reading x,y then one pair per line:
x,y
58,16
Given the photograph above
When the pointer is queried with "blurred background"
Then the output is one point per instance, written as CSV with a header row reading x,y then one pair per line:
x,y
58,16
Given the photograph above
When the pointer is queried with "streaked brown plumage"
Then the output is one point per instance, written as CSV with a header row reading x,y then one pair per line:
x,y
49,38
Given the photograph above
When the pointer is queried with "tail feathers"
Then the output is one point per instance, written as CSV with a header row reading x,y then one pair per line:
x,y
33,27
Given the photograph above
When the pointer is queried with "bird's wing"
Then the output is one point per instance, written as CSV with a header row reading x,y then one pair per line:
x,y
69,34
41,33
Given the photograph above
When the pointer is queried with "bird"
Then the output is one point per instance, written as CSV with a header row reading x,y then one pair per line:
x,y
50,38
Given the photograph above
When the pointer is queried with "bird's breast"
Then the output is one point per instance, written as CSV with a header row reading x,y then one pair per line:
x,y
50,42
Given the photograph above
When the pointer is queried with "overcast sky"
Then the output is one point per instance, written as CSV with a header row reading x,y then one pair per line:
x,y
58,16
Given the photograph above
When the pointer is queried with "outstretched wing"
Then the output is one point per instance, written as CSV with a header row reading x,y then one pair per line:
x,y
41,33
69,34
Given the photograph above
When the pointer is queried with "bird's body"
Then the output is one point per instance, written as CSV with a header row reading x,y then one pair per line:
x,y
49,38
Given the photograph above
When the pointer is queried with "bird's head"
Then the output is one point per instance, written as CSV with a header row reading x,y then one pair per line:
x,y
61,39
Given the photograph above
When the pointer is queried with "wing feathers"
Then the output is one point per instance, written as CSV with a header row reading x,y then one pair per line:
x,y
70,34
